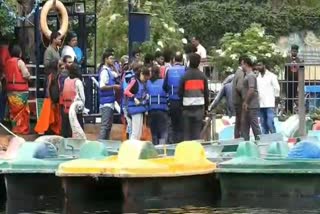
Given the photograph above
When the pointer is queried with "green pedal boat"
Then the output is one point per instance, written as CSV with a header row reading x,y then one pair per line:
x,y
268,174
32,172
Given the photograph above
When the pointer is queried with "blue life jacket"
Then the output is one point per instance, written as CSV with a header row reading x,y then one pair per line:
x,y
124,84
158,97
138,109
107,96
175,75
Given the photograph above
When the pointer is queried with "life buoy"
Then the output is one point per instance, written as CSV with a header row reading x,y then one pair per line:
x,y
58,5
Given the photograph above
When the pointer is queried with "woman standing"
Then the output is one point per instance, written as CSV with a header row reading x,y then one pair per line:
x,y
72,41
49,121
158,108
17,76
73,90
137,101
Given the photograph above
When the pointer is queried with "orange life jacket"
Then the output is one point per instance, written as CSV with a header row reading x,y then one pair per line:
x,y
14,78
69,93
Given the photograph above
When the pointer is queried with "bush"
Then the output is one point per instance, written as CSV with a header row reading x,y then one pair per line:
x,y
253,42
210,20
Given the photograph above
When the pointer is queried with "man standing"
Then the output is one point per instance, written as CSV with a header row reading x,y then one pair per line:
x,y
269,89
171,87
108,86
291,76
226,92
195,99
250,106
201,51
52,52
237,85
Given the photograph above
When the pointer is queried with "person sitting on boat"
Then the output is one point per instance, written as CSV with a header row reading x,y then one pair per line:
x,y
158,107
108,86
137,101
73,90
17,87
49,120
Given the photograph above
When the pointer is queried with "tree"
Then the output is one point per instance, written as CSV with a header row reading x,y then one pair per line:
x,y
113,26
253,42
7,22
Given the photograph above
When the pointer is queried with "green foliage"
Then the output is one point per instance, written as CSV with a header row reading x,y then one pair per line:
x,y
113,26
7,23
253,42
210,20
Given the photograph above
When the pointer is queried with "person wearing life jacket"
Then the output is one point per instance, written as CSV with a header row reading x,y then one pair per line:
x,y
171,86
194,93
73,90
158,108
17,87
137,101
108,87
49,120
127,77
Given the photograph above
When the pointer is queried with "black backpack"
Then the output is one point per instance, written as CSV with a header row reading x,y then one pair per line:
x,y
54,89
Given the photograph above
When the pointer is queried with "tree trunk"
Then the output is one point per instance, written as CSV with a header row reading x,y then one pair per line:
x,y
26,35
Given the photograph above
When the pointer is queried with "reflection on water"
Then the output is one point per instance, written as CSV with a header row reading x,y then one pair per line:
x,y
56,207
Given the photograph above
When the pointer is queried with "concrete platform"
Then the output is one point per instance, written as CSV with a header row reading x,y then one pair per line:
x,y
91,130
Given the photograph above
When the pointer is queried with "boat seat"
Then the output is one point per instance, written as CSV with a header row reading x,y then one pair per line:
x,y
189,152
314,133
13,148
248,149
306,150
70,146
37,150
45,150
227,133
278,150
132,150
93,150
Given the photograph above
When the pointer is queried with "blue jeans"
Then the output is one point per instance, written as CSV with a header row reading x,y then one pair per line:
x,y
159,126
266,119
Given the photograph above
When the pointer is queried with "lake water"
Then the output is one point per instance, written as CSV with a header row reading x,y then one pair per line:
x,y
55,207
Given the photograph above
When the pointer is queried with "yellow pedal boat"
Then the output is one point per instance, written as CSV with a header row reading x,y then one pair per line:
x,y
138,172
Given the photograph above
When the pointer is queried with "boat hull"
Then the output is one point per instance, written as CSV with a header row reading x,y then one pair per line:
x,y
32,185
269,186
204,187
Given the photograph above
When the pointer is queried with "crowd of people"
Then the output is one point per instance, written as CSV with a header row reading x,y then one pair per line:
x,y
253,92
168,87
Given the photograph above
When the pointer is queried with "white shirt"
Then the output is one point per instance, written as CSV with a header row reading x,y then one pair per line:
x,y
201,51
268,88
104,80
68,50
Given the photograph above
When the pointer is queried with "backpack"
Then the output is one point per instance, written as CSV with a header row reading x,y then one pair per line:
x,y
54,89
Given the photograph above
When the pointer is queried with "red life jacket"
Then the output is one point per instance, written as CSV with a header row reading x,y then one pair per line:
x,y
69,93
14,78
163,70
